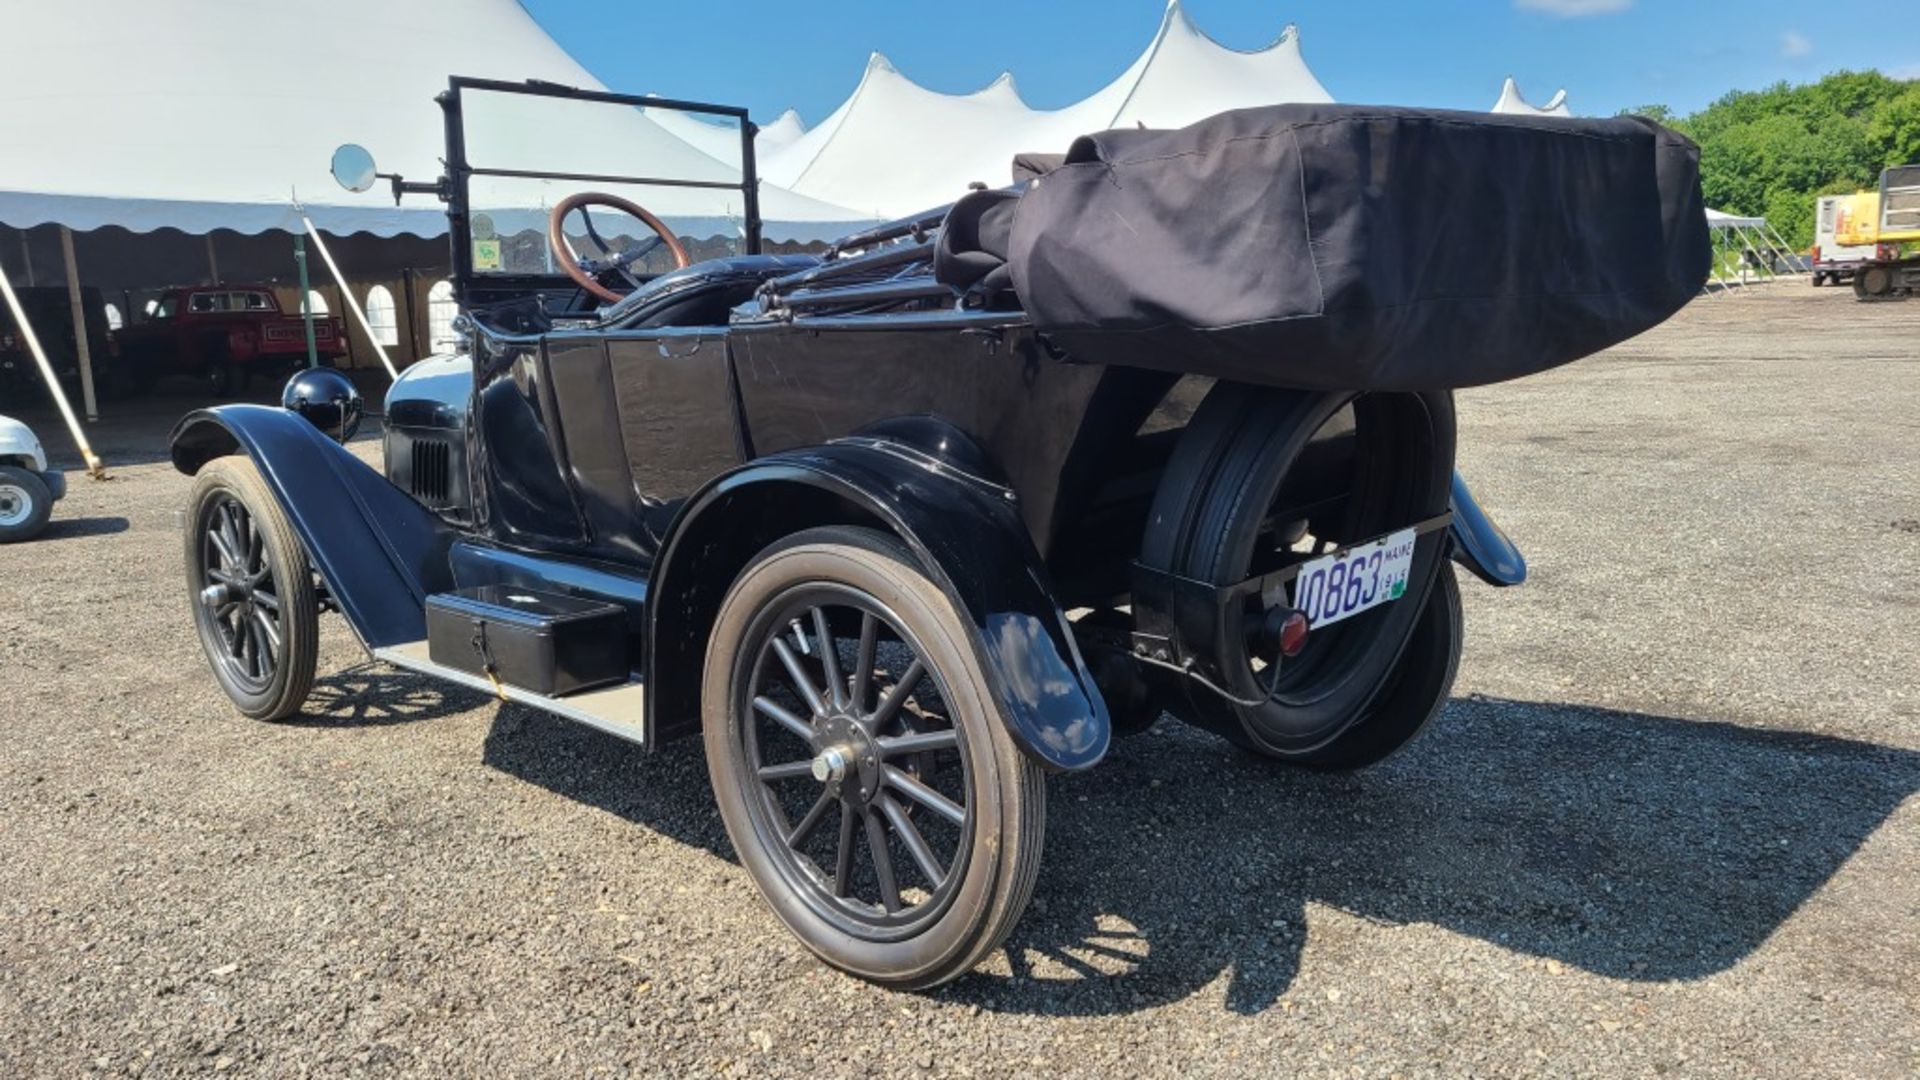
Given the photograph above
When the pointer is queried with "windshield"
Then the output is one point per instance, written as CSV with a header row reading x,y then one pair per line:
x,y
527,150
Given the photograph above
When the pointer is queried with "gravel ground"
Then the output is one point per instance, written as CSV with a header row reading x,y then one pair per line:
x,y
1669,823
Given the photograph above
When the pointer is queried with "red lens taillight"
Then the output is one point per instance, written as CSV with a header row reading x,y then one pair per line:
x,y
1293,634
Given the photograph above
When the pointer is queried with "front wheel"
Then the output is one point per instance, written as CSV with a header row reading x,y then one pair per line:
x,y
861,765
252,591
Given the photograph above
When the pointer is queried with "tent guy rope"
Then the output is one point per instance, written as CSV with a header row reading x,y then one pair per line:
x,y
95,468
346,292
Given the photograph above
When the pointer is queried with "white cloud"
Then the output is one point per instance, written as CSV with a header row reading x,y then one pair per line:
x,y
1794,44
1574,9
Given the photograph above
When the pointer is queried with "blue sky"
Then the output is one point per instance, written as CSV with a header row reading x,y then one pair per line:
x,y
1609,54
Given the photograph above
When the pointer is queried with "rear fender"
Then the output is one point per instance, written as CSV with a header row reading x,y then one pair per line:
x,y
1479,545
963,529
380,552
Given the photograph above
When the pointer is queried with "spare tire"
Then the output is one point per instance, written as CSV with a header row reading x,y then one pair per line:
x,y
1263,478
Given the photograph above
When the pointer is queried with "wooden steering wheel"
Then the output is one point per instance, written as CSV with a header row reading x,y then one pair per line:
x,y
586,272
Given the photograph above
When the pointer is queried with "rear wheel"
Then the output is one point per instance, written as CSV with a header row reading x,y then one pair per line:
x,y
25,504
1413,694
860,764
1873,281
252,590
225,374
1263,479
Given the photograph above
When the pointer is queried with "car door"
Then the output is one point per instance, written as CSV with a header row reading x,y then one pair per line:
x,y
645,418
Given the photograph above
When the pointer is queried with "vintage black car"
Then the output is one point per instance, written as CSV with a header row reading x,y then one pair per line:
x,y
903,524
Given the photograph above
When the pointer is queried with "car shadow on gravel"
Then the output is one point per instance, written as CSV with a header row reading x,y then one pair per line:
x,y
72,528
372,694
1629,845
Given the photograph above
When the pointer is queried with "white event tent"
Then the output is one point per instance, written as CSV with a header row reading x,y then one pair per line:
x,y
722,141
185,115
895,147
1512,104
146,126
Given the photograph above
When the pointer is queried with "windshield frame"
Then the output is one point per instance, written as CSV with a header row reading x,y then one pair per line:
x,y
471,288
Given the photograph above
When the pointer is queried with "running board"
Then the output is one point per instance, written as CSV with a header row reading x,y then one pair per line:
x,y
617,710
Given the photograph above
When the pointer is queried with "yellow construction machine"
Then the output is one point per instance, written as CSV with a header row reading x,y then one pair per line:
x,y
1887,220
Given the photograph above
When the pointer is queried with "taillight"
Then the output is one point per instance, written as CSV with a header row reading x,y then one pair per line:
x,y
1284,629
1816,253
1293,634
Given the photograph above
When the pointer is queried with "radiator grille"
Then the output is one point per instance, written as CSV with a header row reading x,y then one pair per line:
x,y
432,473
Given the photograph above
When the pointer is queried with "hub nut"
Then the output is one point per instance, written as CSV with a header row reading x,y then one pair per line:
x,y
830,765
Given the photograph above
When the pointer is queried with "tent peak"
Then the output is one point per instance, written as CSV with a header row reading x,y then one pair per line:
x,y
1176,13
1002,88
1511,101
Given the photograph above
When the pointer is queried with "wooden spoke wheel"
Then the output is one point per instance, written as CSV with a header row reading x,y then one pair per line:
x,y
860,765
253,595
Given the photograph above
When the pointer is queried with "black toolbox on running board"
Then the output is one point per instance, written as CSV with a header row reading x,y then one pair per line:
x,y
544,642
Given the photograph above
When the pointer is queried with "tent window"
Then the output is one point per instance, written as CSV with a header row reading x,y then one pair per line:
x,y
380,316
316,303
114,322
441,309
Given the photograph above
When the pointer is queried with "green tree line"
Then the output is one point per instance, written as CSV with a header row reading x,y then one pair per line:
x,y
1772,152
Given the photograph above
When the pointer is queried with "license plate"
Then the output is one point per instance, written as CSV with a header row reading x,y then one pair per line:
x,y
1347,583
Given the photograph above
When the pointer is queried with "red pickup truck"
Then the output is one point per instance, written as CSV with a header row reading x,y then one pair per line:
x,y
223,333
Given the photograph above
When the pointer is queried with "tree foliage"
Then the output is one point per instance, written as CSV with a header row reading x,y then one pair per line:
x,y
1772,152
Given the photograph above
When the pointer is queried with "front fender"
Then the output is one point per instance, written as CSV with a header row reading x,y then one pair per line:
x,y
1479,545
380,552
965,533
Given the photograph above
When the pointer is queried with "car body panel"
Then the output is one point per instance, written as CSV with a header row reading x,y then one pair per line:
x,y
965,532
380,552
18,442
1479,544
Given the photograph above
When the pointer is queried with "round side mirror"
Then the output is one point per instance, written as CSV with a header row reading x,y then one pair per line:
x,y
327,399
353,167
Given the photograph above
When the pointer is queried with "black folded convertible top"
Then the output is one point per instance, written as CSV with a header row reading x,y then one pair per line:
x,y
1353,247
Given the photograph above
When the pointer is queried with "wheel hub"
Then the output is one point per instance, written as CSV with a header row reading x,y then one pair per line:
x,y
846,757
13,505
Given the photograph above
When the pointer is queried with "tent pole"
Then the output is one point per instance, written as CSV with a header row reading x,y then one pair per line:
x,y
80,335
213,263
353,305
306,298
413,328
94,468
1786,251
1756,245
1759,244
